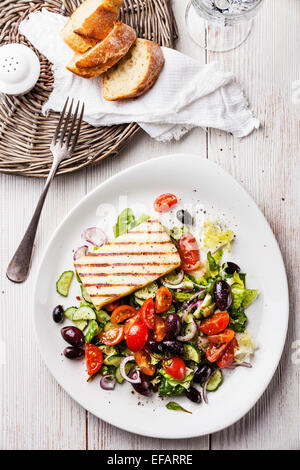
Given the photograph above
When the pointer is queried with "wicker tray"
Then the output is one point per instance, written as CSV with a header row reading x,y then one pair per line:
x,y
25,134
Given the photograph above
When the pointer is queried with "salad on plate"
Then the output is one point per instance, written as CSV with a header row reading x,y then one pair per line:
x,y
160,307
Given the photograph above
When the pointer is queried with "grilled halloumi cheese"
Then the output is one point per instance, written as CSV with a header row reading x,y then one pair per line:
x,y
128,263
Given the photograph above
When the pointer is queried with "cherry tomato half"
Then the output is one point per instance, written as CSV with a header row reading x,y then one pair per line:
x,y
94,358
225,337
159,329
163,300
228,357
137,336
189,252
215,324
122,313
164,202
147,313
143,360
214,353
112,336
110,307
175,367
128,324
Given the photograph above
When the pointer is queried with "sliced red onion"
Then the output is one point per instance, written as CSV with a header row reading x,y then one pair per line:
x,y
191,299
94,235
123,363
240,364
80,252
191,334
172,286
108,382
174,283
205,390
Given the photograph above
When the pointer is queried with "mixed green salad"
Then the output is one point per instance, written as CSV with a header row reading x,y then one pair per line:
x,y
176,335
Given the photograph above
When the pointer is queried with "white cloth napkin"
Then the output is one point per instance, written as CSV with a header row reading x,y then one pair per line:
x,y
187,94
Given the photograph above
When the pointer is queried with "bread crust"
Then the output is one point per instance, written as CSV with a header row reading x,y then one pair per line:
x,y
155,66
92,28
105,54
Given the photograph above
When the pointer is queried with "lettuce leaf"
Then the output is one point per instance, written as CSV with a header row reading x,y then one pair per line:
x,y
215,238
165,389
242,297
127,221
238,320
183,296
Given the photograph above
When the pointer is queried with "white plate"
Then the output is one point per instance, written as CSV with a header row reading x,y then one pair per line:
x,y
255,250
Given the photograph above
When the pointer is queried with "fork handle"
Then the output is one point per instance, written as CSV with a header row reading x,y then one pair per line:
x,y
18,268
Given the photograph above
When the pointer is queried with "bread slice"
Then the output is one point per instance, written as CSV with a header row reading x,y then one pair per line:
x,y
105,54
76,42
91,22
135,73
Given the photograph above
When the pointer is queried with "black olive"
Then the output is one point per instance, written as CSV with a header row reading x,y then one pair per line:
x,y
202,374
232,268
72,352
144,387
193,395
172,326
73,336
222,295
155,347
173,347
184,217
58,314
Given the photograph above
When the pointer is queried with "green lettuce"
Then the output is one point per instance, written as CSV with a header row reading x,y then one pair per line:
x,y
185,383
242,297
214,238
183,296
126,221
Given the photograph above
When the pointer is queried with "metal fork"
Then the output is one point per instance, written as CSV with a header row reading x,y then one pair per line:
x,y
61,148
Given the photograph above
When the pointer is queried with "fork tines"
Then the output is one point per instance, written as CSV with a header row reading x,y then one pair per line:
x,y
65,138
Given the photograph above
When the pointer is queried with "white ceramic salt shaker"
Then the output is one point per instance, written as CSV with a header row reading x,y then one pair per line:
x,y
19,69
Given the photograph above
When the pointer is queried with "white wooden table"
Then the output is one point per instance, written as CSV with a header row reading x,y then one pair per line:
x,y
35,412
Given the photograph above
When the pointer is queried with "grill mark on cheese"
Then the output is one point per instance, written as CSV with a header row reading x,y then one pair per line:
x,y
131,253
118,274
111,296
142,243
107,265
111,285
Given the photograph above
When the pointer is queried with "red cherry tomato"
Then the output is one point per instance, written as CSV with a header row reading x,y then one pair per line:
x,y
225,337
215,324
143,360
159,329
214,353
94,358
175,367
112,336
128,324
137,336
122,313
189,252
228,356
110,307
163,300
147,313
164,202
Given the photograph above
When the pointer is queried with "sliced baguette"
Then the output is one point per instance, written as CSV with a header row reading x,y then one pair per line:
x,y
105,54
90,22
135,73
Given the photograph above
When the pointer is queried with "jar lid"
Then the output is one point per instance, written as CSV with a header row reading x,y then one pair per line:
x,y
19,69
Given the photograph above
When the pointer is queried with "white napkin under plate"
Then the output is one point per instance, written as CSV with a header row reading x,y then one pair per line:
x,y
187,94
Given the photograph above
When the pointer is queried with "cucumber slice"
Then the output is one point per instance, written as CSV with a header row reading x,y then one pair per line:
x,y
70,312
64,282
84,313
118,375
113,360
147,291
102,317
85,295
138,301
191,353
215,380
187,328
77,277
81,324
109,350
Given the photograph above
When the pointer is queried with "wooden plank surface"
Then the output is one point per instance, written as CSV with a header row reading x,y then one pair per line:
x,y
35,412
